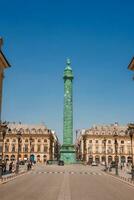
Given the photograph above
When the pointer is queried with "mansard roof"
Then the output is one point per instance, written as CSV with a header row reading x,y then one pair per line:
x,y
107,129
35,128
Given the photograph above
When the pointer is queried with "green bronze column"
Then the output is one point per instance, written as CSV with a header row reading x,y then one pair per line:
x,y
67,151
68,107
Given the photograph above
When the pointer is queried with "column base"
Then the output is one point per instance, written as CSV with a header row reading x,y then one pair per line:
x,y
68,154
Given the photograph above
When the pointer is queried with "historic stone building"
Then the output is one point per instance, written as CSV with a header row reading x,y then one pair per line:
x,y
37,142
131,65
98,142
4,64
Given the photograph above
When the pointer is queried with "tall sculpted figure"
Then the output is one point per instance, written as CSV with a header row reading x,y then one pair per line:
x,y
67,152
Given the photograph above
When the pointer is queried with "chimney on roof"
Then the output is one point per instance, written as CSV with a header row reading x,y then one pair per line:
x,y
1,42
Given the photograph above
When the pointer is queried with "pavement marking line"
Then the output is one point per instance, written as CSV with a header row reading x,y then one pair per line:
x,y
64,193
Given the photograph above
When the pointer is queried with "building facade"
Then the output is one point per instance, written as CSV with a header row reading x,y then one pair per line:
x,y
4,64
37,143
98,143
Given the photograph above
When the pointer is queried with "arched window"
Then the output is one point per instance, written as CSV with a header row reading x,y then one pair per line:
x,y
129,159
25,157
6,157
33,140
45,140
110,159
123,159
39,140
26,140
97,159
90,159
12,157
14,140
38,158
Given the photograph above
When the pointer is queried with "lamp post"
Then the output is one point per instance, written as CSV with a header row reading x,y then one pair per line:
x,y
105,153
31,139
116,152
19,141
3,130
130,131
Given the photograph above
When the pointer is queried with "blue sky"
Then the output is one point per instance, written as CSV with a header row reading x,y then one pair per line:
x,y
98,37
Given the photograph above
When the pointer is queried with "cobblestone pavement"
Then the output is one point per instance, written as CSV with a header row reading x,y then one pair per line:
x,y
71,182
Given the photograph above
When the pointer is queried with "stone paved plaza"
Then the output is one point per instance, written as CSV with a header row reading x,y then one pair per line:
x,y
69,182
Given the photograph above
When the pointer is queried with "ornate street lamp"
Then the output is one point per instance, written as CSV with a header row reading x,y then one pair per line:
x,y
105,153
3,130
18,135
130,131
116,152
31,139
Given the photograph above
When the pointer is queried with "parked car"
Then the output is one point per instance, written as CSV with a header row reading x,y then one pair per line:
x,y
51,162
61,162
94,163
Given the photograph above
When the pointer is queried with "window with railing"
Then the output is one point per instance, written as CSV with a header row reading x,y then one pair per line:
x,y
97,150
103,149
45,148
90,150
109,150
109,141
129,150
20,148
6,148
26,148
13,148
32,148
122,149
38,148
